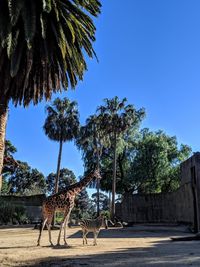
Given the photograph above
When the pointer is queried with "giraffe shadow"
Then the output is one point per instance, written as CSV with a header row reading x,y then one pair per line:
x,y
18,247
62,247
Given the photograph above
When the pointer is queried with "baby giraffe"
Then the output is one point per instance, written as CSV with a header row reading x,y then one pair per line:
x,y
64,202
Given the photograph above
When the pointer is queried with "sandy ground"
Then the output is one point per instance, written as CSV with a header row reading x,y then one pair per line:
x,y
136,246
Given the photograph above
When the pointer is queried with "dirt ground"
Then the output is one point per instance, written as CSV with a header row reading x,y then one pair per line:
x,y
136,246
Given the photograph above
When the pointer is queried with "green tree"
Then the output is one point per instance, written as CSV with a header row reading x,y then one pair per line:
x,y
84,206
61,125
118,118
26,181
67,177
9,165
42,49
91,141
103,200
156,164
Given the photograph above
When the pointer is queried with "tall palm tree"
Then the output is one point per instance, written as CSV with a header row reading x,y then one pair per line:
x,y
117,119
91,141
43,45
61,125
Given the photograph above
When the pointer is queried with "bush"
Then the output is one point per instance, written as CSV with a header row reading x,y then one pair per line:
x,y
10,213
6,212
20,214
106,213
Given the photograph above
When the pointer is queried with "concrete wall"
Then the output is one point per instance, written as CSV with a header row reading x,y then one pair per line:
x,y
32,204
169,208
180,206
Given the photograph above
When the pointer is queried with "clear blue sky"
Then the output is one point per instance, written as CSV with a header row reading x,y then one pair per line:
x,y
149,52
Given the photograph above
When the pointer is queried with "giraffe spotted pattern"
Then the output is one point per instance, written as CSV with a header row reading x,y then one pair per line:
x,y
64,202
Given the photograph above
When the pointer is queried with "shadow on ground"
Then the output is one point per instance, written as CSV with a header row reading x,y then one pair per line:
x,y
161,254
164,253
139,231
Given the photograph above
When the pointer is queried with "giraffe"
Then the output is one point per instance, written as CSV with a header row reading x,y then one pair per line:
x,y
63,201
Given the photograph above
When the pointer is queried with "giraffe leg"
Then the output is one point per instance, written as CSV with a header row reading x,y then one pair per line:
x,y
49,230
41,230
65,229
61,227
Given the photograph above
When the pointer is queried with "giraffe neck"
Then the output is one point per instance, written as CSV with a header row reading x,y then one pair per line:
x,y
78,187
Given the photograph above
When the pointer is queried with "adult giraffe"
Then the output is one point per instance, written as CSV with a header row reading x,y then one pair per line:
x,y
64,202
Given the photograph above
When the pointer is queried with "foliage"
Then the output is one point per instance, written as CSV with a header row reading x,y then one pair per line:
x,y
6,212
121,117
91,140
155,167
12,213
61,124
26,181
67,177
8,168
83,201
42,46
103,201
149,163
84,207
19,214
10,149
117,119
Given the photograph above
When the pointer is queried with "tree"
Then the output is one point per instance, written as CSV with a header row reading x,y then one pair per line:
x,y
91,141
118,118
103,200
84,206
26,181
9,165
67,177
156,164
10,149
42,50
61,125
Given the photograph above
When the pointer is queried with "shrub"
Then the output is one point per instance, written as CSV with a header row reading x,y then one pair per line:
x,y
20,214
6,212
10,213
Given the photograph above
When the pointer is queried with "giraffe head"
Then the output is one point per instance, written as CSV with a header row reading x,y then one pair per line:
x,y
97,174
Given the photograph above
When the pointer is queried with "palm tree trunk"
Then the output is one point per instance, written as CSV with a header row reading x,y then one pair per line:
x,y
114,177
98,186
58,167
3,121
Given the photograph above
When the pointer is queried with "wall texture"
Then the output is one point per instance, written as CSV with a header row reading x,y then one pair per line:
x,y
32,204
171,208
180,206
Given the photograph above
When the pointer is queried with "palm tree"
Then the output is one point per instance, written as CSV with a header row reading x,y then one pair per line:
x,y
91,141
61,125
42,50
117,119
